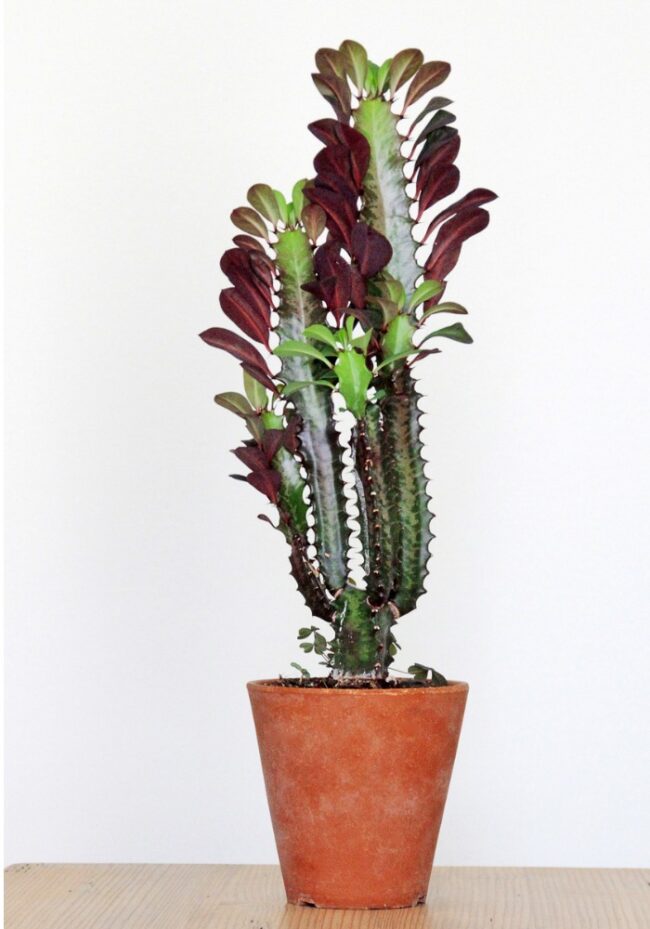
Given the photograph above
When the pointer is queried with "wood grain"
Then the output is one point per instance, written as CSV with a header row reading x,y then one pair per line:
x,y
90,896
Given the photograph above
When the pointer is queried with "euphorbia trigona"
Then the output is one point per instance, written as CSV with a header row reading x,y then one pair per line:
x,y
331,279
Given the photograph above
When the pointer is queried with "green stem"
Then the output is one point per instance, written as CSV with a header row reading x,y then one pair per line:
x,y
355,646
319,439
381,531
407,482
386,203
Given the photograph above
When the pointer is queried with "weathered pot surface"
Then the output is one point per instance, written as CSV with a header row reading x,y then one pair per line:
x,y
357,782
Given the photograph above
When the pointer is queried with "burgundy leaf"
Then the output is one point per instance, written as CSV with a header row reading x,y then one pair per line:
x,y
440,185
248,242
292,433
249,221
426,78
341,214
243,315
336,91
474,198
435,103
442,118
339,184
423,354
444,154
436,139
260,374
357,288
235,345
449,240
313,219
268,482
335,159
359,152
253,458
272,440
330,60
263,268
326,130
370,248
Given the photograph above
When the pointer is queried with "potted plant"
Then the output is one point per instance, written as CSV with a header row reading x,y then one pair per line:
x,y
328,282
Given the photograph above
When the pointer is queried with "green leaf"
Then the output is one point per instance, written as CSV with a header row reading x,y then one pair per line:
x,y
298,197
306,631
260,196
292,348
457,332
382,76
425,291
371,79
236,403
291,214
355,59
421,672
354,379
321,333
282,206
396,292
444,308
255,392
394,358
398,338
389,309
306,647
292,387
303,671
255,427
363,341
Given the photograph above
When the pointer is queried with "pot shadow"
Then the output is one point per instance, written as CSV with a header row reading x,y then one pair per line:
x,y
308,916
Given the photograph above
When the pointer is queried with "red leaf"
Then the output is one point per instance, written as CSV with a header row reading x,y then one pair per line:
x,y
444,154
359,151
254,458
370,248
325,130
243,315
330,60
248,242
272,440
357,289
340,214
235,345
441,184
260,374
336,91
426,78
268,482
438,138
449,240
474,198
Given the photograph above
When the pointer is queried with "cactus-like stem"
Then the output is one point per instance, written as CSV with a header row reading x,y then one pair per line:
x,y
382,532
386,203
319,439
355,648
407,483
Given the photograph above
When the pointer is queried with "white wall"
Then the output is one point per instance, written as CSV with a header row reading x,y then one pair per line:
x,y
142,591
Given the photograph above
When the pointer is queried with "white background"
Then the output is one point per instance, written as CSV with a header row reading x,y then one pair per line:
x,y
142,590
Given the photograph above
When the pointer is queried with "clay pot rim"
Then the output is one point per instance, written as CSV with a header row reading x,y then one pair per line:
x,y
271,685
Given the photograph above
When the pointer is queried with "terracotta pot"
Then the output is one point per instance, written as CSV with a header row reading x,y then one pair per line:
x,y
357,782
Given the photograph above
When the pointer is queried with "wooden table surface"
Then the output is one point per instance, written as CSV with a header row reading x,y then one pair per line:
x,y
90,896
